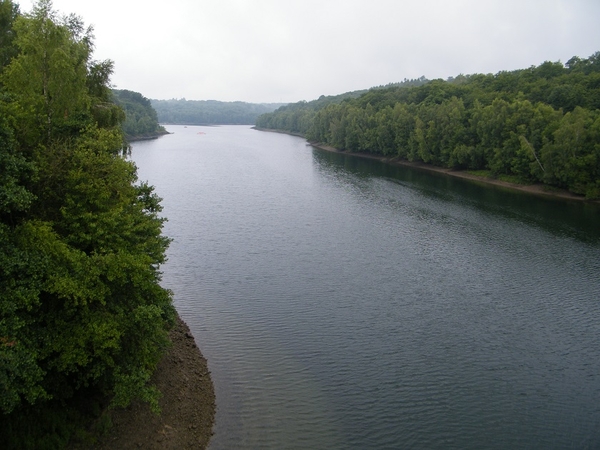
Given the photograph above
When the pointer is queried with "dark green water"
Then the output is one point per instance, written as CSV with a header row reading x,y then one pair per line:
x,y
344,303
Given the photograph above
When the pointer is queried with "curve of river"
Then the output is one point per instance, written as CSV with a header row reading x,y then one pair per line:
x,y
345,303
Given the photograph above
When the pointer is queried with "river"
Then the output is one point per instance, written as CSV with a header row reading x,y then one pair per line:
x,y
347,304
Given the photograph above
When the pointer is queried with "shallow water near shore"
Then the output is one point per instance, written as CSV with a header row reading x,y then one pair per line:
x,y
345,303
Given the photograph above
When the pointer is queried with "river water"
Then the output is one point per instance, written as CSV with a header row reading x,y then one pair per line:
x,y
347,304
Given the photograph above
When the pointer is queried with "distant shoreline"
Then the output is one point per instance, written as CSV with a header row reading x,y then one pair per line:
x,y
147,137
536,189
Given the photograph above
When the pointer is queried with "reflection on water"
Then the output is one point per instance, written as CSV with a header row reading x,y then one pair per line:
x,y
560,216
344,303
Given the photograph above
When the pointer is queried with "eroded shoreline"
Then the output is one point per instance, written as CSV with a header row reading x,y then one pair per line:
x,y
187,403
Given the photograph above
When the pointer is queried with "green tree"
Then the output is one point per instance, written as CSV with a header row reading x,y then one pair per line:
x,y
572,158
140,117
510,123
47,78
385,131
8,14
82,313
403,125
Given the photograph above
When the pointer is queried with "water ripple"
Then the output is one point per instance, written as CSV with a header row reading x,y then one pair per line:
x,y
349,305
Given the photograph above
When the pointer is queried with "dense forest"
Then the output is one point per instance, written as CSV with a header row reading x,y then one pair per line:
x,y
141,121
83,319
210,112
535,125
297,118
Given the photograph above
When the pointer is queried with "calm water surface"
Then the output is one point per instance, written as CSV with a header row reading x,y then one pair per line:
x,y
346,304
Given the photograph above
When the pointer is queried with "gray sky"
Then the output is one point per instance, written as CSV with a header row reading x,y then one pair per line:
x,y
291,50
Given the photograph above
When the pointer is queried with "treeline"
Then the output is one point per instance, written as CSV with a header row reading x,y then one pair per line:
x,y
210,112
536,125
83,318
141,120
298,117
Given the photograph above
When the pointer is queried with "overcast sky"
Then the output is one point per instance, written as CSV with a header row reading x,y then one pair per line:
x,y
291,50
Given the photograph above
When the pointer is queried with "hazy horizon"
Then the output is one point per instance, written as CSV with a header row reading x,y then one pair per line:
x,y
267,51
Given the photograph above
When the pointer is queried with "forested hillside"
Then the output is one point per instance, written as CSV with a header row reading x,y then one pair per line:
x,y
536,125
140,117
298,117
83,319
210,112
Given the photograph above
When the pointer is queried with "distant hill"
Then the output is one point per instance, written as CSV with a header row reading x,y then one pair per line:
x,y
539,125
210,112
141,121
297,118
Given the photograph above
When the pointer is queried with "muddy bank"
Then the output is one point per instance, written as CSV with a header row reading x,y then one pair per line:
x,y
187,404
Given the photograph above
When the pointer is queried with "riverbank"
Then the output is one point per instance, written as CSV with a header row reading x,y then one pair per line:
x,y
146,137
187,404
537,189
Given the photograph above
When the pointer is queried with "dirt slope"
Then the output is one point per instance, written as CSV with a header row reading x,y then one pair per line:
x,y
187,404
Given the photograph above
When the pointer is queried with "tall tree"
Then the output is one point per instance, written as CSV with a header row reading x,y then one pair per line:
x,y
48,76
8,13
81,308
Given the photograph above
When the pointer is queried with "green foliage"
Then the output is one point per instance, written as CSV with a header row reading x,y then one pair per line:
x,y
209,112
299,117
8,13
140,117
537,125
15,170
47,78
82,313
